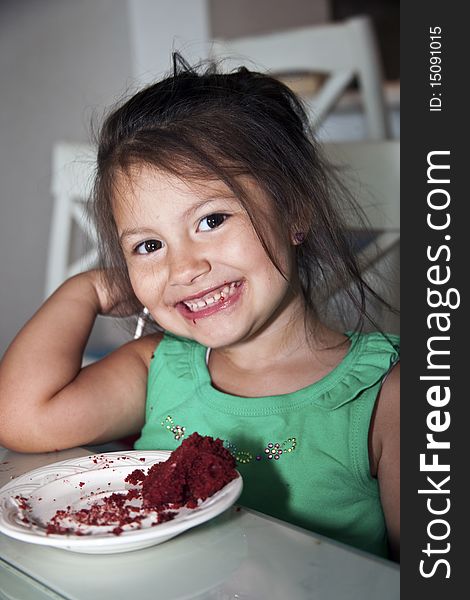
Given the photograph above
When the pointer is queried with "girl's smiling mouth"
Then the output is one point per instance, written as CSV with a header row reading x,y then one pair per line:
x,y
210,302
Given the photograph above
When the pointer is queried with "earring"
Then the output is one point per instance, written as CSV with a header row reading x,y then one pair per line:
x,y
299,237
141,321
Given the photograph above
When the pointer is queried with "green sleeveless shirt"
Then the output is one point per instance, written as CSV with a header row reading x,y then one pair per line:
x,y
303,456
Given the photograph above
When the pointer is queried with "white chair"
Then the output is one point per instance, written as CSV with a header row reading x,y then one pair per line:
x,y
72,244
371,170
72,241
342,51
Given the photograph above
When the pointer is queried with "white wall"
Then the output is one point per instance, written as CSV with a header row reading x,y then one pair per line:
x,y
159,26
60,61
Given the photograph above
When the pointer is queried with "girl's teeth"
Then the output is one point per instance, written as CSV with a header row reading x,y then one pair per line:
x,y
227,291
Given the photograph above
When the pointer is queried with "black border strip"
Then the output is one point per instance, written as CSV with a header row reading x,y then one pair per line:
x,y
444,566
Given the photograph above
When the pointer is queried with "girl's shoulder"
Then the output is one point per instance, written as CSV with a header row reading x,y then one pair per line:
x,y
174,346
175,355
162,342
146,346
376,340
370,358
374,352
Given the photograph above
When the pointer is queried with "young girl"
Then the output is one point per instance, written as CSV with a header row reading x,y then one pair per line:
x,y
215,212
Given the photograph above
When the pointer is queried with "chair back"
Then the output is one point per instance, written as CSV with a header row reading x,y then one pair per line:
x,y
342,51
72,240
371,171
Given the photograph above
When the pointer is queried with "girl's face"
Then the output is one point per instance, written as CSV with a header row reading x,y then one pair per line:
x,y
195,261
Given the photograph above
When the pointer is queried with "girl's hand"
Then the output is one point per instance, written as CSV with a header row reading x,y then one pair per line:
x,y
108,302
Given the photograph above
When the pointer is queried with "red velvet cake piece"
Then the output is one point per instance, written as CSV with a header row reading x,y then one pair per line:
x,y
196,470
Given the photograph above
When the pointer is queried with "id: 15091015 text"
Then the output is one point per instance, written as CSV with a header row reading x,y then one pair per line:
x,y
435,69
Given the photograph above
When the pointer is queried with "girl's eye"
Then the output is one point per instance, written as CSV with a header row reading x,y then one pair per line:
x,y
212,221
148,247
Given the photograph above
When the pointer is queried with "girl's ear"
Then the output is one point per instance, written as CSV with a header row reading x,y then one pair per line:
x,y
298,237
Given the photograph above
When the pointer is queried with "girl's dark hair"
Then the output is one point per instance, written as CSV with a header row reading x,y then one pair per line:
x,y
199,123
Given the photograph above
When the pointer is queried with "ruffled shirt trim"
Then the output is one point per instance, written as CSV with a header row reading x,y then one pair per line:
x,y
368,360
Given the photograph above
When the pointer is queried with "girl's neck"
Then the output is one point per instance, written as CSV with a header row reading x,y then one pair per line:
x,y
283,356
275,339
262,369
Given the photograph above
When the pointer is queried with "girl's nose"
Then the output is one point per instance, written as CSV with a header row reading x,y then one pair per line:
x,y
186,265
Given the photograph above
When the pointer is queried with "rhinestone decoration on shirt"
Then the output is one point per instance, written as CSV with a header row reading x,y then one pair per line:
x,y
272,451
177,430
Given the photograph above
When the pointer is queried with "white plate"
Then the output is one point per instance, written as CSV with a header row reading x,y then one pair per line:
x,y
80,481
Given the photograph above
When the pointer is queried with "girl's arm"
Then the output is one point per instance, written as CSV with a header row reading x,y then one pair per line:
x,y
385,455
47,401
